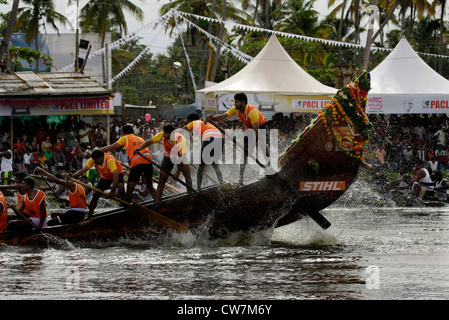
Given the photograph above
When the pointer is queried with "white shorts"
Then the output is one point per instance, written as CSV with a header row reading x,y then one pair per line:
x,y
36,221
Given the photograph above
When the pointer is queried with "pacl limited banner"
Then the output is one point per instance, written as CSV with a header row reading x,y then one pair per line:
x,y
400,104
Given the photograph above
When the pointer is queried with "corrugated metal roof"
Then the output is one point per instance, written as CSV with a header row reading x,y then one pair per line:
x,y
49,83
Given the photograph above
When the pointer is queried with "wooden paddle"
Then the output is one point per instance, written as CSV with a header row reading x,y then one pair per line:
x,y
315,215
171,175
28,220
156,217
62,201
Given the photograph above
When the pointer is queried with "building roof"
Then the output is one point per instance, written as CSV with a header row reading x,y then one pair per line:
x,y
22,84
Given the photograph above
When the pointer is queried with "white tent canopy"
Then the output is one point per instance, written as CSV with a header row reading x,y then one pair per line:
x,y
272,71
272,80
404,83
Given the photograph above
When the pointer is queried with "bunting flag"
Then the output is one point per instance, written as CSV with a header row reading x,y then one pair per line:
x,y
192,76
214,41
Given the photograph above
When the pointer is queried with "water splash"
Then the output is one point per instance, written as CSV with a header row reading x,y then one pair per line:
x,y
304,232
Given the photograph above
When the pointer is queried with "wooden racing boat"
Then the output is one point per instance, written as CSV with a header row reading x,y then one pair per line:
x,y
315,171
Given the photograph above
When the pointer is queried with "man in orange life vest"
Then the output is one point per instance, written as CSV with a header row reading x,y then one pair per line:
x,y
175,148
250,116
33,207
3,213
130,142
111,176
77,201
212,137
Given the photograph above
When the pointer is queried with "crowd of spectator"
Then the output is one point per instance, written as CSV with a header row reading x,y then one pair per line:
x,y
398,142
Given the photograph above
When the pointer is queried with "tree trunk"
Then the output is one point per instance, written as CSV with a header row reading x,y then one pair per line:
x,y
206,49
217,54
4,46
369,40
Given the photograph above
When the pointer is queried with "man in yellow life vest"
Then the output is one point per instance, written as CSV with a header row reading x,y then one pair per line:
x,y
130,142
211,146
175,146
111,176
250,116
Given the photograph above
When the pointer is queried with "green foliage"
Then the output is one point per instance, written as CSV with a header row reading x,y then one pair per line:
x,y
29,55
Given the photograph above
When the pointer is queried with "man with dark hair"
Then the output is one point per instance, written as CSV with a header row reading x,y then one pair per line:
x,y
77,201
33,207
130,142
111,172
175,146
212,137
250,116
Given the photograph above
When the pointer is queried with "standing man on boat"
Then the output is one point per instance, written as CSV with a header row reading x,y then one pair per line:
x,y
77,201
33,207
111,172
212,137
130,142
6,165
175,148
250,116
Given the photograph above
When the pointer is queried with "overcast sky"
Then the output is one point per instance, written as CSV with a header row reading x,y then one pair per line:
x,y
151,12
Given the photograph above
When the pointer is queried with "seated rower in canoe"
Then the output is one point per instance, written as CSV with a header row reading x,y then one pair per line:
x,y
111,172
77,201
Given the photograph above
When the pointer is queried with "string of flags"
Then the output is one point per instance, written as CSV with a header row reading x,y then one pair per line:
x,y
163,21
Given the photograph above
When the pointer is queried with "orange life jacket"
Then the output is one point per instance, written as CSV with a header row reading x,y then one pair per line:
x,y
3,213
77,199
206,131
245,117
32,207
104,170
168,145
135,142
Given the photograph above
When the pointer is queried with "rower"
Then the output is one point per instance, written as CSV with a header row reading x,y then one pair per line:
x,y
18,180
251,117
210,136
33,207
111,173
175,148
77,201
441,186
3,213
139,165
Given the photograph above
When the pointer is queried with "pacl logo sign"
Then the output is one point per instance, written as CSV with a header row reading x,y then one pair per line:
x,y
322,186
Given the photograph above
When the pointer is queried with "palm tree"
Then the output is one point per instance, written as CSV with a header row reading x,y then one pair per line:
x,y
301,18
102,16
30,19
4,46
206,8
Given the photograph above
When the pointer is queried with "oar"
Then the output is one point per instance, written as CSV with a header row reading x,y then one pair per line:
x,y
171,175
315,215
28,220
156,217
54,192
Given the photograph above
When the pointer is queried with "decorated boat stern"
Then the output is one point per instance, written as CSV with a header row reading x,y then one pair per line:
x,y
323,161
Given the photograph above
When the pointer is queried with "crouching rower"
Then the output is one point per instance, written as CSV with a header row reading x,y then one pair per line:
x,y
441,186
423,186
77,201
